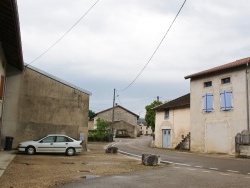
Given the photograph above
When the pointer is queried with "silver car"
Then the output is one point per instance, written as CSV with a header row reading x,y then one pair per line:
x,y
53,143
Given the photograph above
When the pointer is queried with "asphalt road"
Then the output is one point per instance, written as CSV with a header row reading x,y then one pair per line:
x,y
221,163
185,170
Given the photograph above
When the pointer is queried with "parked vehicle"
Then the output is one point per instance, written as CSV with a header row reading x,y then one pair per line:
x,y
53,143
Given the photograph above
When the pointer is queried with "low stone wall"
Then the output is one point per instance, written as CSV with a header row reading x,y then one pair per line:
x,y
244,151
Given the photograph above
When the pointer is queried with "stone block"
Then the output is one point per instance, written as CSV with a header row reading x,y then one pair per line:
x,y
150,159
112,149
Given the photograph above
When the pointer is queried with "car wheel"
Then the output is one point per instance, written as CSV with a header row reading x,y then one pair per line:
x,y
30,150
70,151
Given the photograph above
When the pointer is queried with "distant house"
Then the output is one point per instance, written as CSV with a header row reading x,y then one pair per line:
x,y
34,103
125,121
219,106
172,122
144,129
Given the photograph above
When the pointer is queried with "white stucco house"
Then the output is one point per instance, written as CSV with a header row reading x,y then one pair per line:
x,y
219,106
172,122
144,129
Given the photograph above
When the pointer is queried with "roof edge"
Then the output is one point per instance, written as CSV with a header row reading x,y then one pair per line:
x,y
227,66
18,32
57,79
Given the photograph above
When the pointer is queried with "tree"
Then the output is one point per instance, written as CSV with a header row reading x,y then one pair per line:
x,y
102,127
150,114
91,113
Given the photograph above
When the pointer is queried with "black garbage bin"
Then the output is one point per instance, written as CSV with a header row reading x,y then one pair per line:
x,y
8,143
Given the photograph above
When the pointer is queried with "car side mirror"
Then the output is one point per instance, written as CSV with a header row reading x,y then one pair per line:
x,y
41,141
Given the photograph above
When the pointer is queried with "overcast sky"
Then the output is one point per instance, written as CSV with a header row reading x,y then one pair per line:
x,y
109,47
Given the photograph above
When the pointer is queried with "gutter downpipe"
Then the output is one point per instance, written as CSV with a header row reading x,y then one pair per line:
x,y
247,92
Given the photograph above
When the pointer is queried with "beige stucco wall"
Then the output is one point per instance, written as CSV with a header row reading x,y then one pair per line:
x,y
178,122
36,105
215,131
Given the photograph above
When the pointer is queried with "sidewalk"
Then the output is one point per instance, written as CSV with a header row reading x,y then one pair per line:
x,y
5,159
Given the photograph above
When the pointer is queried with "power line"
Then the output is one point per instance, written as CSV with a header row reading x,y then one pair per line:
x,y
155,49
64,34
118,96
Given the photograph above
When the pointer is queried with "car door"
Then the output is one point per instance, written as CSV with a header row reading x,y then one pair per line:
x,y
61,144
46,144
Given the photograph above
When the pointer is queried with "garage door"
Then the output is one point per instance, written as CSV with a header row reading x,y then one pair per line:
x,y
216,138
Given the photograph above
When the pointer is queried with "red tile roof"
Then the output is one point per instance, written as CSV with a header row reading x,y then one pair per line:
x,y
235,64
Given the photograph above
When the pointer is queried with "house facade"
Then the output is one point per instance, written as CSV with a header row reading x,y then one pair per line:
x,y
172,122
34,103
144,129
219,106
124,120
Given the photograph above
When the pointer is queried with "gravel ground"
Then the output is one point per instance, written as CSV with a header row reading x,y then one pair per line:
x,y
47,170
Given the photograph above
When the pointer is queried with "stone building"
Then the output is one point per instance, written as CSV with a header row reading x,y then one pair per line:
x,y
125,121
34,103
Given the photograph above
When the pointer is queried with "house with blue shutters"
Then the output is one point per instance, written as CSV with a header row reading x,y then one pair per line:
x,y
219,106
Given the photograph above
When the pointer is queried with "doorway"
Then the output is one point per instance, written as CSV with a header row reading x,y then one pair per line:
x,y
166,138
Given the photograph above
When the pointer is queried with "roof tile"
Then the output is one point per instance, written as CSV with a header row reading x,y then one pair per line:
x,y
231,65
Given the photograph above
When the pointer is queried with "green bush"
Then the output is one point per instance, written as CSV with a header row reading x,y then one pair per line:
x,y
101,133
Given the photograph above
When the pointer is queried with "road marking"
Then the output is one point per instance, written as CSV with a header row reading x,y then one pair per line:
x,y
123,152
233,171
182,164
191,169
247,177
167,162
198,166
213,168
248,173
224,174
177,167
206,171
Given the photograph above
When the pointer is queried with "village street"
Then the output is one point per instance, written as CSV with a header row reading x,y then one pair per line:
x,y
214,162
184,169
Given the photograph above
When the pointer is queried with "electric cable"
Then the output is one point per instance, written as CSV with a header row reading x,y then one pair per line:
x,y
155,49
64,33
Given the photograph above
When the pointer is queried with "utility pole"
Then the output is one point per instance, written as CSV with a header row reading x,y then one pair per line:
x,y
113,116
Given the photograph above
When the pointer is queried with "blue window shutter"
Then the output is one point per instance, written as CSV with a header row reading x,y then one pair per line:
x,y
208,102
226,100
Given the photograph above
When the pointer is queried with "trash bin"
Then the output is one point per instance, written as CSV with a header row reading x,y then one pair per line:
x,y
8,143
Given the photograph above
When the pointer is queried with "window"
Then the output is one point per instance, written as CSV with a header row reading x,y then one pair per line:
x,y
225,80
226,100
63,139
166,114
208,84
208,102
48,139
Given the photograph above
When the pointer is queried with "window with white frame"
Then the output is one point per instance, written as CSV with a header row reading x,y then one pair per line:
x,y
166,113
207,102
226,102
